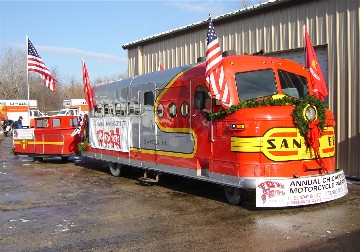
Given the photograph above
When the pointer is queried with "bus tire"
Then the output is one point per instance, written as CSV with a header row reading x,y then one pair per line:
x,y
115,169
38,159
234,195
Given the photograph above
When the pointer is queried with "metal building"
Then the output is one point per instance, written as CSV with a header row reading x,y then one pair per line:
x,y
277,28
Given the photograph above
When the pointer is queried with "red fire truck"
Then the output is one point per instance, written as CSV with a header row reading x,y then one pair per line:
x,y
52,136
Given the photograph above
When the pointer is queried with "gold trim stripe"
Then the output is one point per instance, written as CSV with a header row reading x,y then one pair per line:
x,y
37,142
246,144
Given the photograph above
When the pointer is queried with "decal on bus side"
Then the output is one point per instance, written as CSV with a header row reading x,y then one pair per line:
x,y
285,144
163,128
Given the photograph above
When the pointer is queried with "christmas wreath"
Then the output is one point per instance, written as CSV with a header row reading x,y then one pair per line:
x,y
298,114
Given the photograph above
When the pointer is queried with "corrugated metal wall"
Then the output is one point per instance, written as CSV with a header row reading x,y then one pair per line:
x,y
329,22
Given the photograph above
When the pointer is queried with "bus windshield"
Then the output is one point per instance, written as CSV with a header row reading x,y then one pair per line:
x,y
292,84
256,84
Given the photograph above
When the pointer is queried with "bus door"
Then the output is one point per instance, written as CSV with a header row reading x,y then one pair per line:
x,y
147,136
201,126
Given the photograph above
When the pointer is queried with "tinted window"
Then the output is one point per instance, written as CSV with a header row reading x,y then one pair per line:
x,y
149,98
292,84
256,84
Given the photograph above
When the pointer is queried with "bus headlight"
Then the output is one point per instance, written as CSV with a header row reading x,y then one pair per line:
x,y
310,113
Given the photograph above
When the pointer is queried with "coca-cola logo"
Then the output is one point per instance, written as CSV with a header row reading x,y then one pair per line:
x,y
109,139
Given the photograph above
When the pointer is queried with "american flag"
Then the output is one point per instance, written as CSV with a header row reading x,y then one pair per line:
x,y
220,87
87,87
35,64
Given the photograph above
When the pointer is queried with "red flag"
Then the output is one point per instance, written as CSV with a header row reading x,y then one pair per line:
x,y
161,67
222,88
35,64
312,63
87,87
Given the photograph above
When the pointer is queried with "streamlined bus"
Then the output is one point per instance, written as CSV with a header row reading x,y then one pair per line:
x,y
166,122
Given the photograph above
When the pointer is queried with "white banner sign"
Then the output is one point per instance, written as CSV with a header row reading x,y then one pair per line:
x,y
27,134
110,133
300,191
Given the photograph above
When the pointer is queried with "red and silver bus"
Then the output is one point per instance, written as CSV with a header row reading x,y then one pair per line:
x,y
166,122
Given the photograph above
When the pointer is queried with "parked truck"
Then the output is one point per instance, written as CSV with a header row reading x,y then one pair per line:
x,y
13,109
74,107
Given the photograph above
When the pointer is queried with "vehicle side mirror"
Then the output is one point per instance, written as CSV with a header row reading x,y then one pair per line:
x,y
199,100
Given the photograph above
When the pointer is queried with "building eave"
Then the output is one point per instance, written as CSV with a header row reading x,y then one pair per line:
x,y
203,24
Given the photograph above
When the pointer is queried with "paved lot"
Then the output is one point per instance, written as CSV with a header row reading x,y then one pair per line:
x,y
57,206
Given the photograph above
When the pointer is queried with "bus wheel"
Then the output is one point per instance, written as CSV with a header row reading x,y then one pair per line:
x,y
38,159
234,195
115,169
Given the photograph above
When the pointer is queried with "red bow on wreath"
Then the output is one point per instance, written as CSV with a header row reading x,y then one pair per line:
x,y
313,135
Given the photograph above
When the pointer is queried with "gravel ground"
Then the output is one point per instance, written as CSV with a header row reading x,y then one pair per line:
x,y
78,205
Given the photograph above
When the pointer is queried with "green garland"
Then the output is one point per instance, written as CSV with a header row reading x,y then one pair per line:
x,y
300,104
286,100
82,145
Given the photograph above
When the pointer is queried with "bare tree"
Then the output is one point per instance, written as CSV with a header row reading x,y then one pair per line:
x,y
13,74
74,88
13,83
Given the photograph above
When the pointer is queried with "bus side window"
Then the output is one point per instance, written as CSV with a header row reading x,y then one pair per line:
x,y
120,109
134,108
123,108
202,101
199,100
111,110
98,111
149,98
106,109
117,109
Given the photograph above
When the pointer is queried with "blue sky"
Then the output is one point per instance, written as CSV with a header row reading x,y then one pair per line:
x,y
64,32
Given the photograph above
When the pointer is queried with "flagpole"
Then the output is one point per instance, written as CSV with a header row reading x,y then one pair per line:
x,y
305,58
27,78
